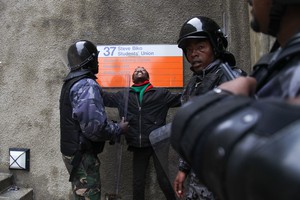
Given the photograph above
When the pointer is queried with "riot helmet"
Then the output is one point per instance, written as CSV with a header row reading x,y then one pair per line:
x,y
83,55
200,27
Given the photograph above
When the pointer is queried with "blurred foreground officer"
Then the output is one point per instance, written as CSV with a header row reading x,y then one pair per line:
x,y
204,46
83,123
248,148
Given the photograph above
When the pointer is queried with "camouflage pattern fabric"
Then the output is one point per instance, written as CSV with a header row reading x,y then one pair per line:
x,y
86,184
89,111
196,190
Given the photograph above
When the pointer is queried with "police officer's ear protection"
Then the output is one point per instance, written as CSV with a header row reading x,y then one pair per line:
x,y
221,40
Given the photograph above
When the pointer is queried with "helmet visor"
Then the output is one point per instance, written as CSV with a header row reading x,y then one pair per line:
x,y
183,41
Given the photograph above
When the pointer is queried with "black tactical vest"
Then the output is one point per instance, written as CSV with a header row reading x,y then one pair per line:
x,y
70,132
268,66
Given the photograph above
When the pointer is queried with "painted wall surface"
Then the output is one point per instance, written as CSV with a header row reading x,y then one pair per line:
x,y
34,37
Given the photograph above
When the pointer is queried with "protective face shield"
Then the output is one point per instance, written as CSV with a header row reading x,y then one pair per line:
x,y
167,156
83,55
203,27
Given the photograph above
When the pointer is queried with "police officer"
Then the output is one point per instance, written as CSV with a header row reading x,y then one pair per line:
x,y
243,154
83,122
204,45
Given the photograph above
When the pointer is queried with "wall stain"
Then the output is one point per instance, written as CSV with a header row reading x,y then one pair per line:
x,y
2,6
55,26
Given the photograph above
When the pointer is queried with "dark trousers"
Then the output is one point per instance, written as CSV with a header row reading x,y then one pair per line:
x,y
141,158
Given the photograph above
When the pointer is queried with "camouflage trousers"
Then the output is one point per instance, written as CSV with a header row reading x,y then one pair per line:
x,y
86,184
196,190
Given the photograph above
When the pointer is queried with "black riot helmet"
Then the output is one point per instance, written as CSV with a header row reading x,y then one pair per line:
x,y
203,27
83,55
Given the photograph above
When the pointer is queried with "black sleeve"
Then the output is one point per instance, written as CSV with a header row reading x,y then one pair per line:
x,y
172,99
111,99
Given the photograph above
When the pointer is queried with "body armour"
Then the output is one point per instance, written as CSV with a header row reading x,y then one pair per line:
x,y
277,73
71,138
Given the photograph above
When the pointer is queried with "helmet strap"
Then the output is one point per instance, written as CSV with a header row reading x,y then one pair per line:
x,y
277,11
76,67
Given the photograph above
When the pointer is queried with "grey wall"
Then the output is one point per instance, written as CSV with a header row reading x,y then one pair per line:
x,y
33,35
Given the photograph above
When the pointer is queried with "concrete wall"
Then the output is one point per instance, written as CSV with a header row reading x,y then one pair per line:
x,y
33,34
